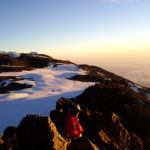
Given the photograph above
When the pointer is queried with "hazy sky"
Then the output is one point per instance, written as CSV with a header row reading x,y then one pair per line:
x,y
99,32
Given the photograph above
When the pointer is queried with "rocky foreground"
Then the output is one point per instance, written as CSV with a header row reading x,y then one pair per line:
x,y
115,113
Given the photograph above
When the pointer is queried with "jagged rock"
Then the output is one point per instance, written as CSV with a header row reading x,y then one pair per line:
x,y
136,118
82,144
147,144
13,86
39,133
87,78
113,132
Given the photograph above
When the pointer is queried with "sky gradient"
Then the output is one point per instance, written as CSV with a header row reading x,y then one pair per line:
x,y
106,33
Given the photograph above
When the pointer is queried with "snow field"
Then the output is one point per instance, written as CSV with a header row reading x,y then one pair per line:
x,y
49,84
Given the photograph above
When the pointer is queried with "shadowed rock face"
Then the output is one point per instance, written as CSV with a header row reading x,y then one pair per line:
x,y
39,133
132,108
13,87
147,144
104,129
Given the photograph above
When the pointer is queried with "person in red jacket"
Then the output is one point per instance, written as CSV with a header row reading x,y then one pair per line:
x,y
73,128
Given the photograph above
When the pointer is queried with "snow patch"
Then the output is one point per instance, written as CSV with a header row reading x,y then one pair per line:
x,y
33,53
43,56
17,96
140,102
5,83
134,87
10,66
51,64
140,87
107,79
13,54
148,96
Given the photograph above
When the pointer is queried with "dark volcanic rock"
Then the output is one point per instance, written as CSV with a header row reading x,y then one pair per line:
x,y
136,118
147,144
132,108
87,78
107,96
103,129
99,72
82,144
64,104
39,133
14,69
120,137
58,117
13,87
136,143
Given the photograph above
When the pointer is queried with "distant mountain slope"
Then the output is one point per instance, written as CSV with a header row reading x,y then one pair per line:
x,y
26,61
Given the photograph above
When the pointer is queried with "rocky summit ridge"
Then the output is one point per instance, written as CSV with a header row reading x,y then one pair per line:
x,y
115,112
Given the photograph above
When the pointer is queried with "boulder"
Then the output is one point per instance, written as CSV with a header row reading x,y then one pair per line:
x,y
112,132
58,117
82,144
39,133
64,104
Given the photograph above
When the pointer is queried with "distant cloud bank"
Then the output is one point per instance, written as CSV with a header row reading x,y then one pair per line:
x,y
138,75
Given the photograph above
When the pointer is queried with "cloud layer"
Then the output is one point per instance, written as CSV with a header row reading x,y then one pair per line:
x,y
137,75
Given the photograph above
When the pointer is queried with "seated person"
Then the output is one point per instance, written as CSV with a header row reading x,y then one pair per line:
x,y
73,128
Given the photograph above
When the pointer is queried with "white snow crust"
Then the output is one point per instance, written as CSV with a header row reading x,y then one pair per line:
x,y
5,83
13,54
134,87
